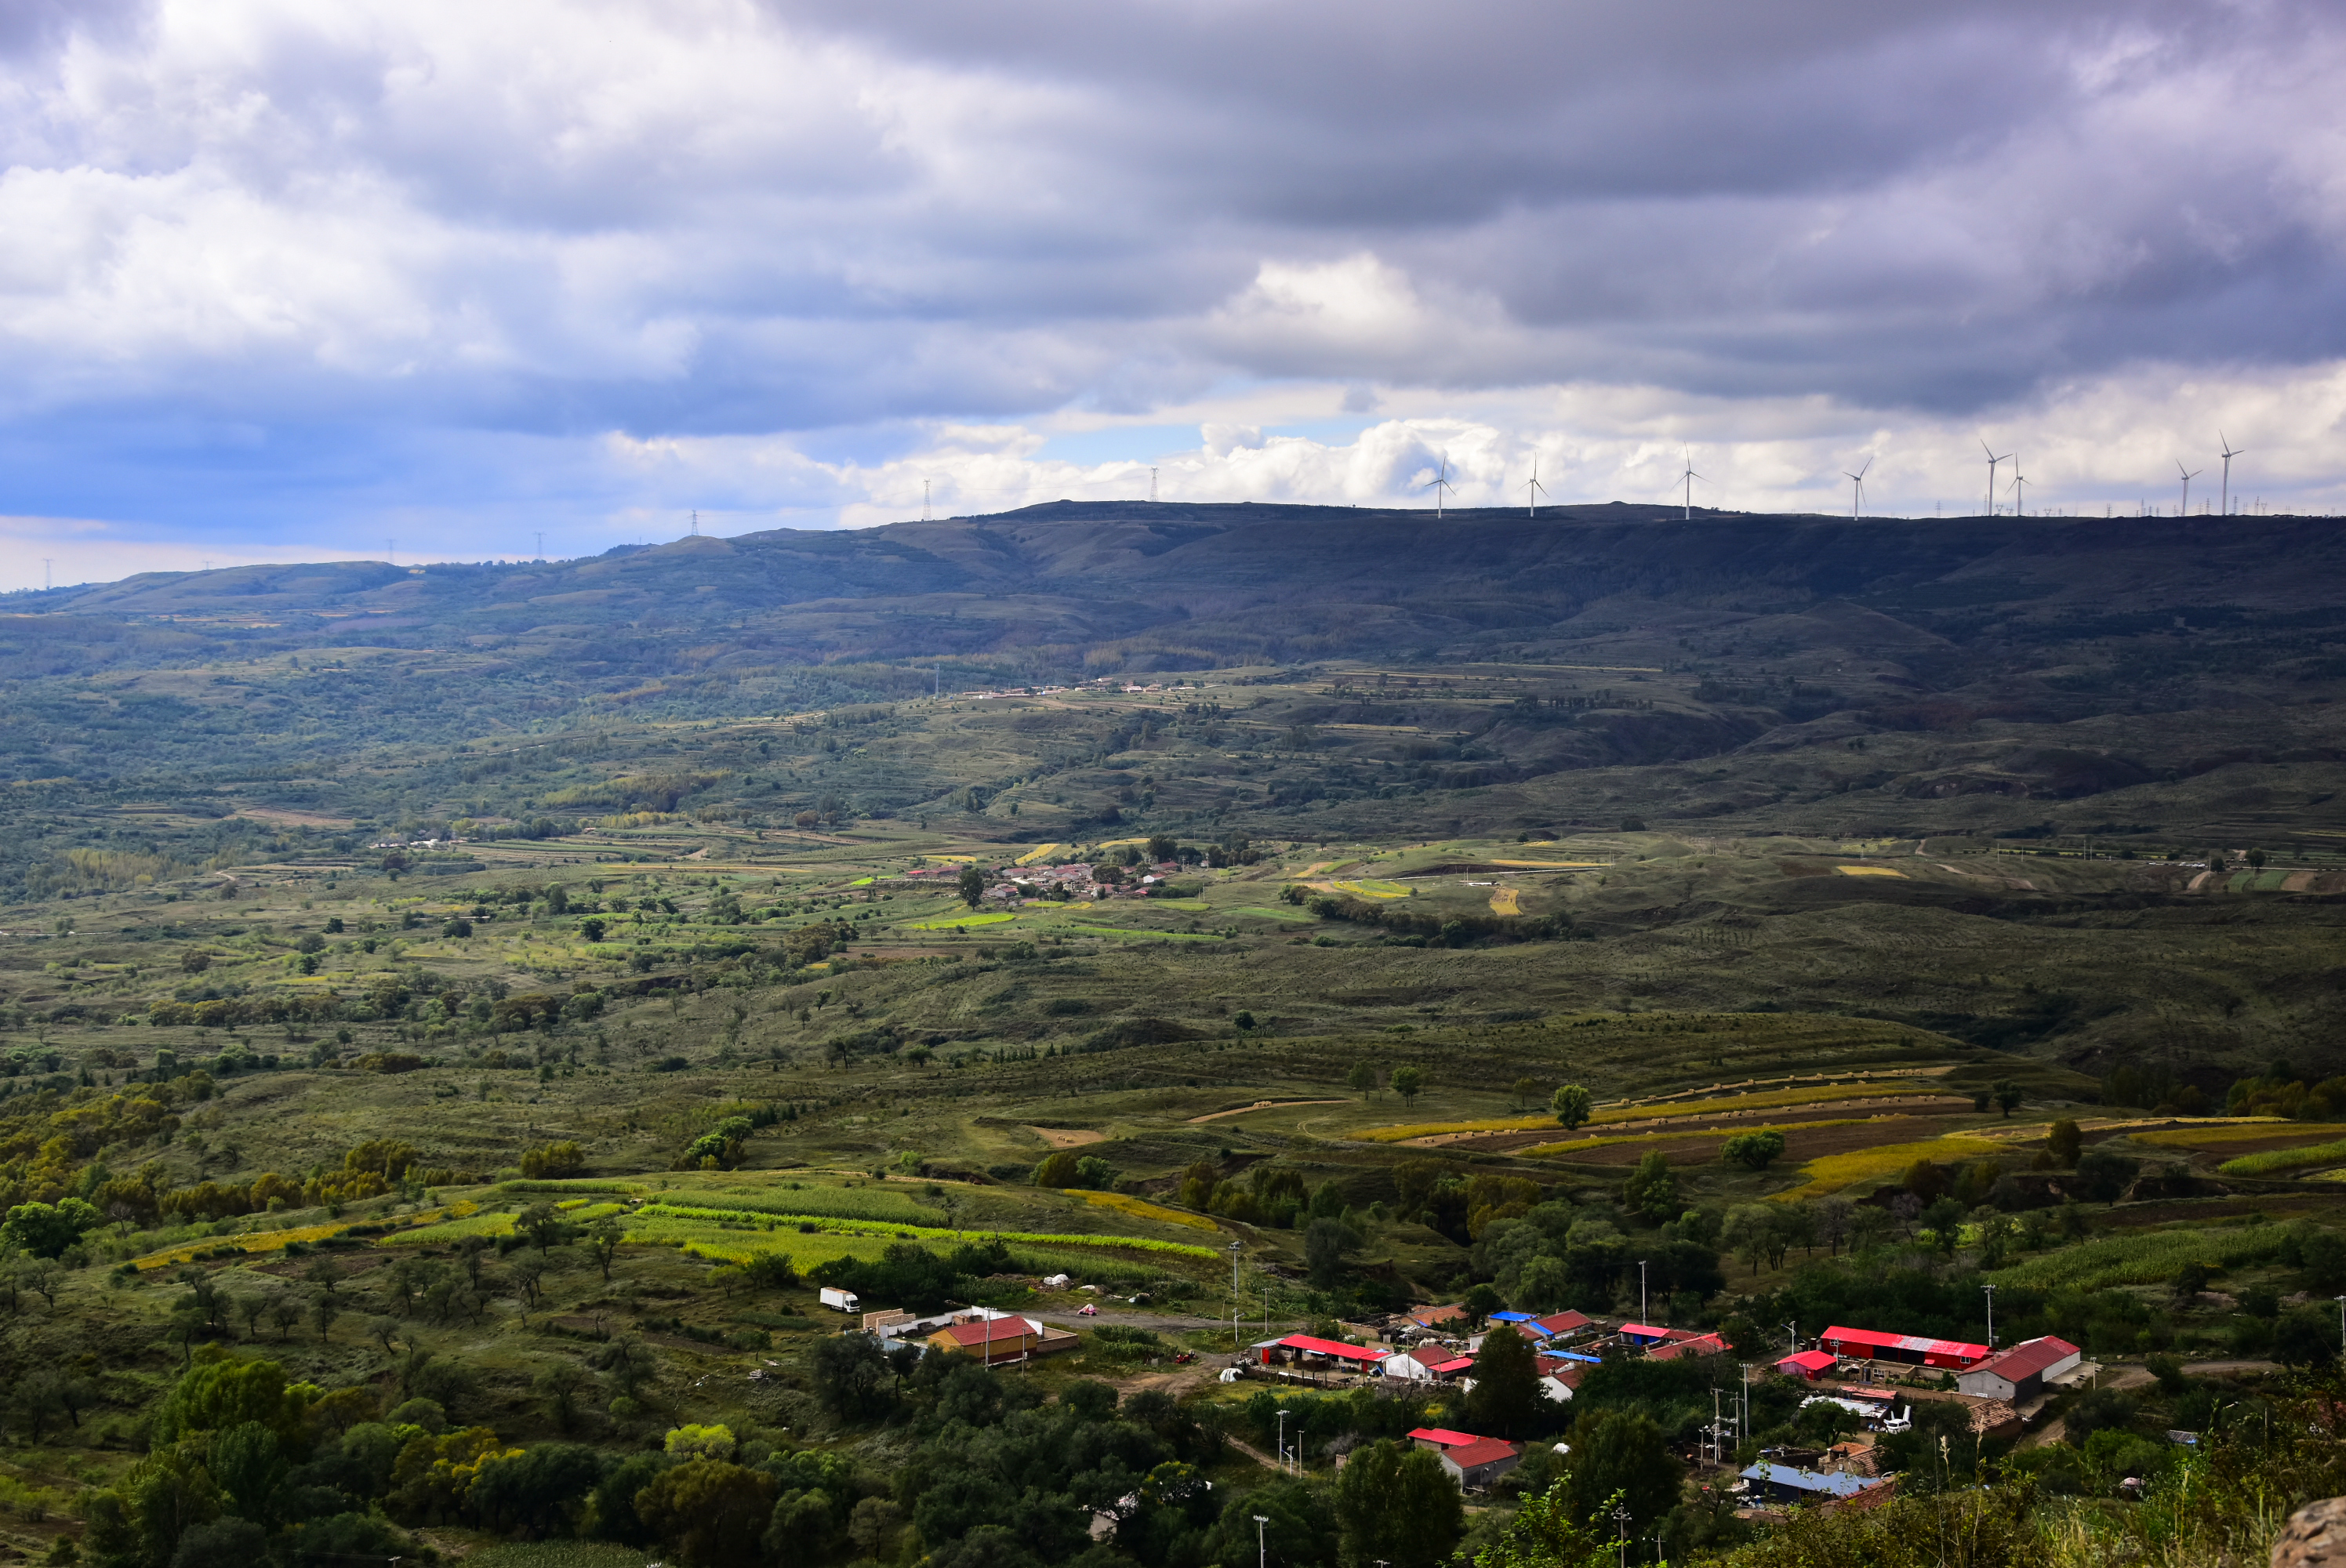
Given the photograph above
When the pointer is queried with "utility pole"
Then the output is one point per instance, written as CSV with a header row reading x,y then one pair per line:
x,y
1282,1439
390,552
1641,1290
2341,1320
1621,1531
925,499
696,524
1261,1551
1152,487
541,546
1991,1315
45,564
1234,1287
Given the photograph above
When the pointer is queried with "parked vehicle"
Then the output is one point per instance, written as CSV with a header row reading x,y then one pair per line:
x,y
840,1300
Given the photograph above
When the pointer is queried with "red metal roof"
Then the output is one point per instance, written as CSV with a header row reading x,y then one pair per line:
x,y
1337,1348
1481,1451
1643,1331
989,1331
1811,1362
1444,1437
1563,1322
1864,1340
2028,1359
1700,1345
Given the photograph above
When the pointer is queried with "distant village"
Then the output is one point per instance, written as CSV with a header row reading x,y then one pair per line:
x,y
1877,1376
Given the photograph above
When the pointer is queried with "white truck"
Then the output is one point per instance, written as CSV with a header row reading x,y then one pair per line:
x,y
840,1300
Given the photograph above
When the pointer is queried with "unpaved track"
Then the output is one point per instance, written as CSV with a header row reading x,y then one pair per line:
x,y
1263,1105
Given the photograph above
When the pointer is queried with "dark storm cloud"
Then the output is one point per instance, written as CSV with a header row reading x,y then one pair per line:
x,y
718,216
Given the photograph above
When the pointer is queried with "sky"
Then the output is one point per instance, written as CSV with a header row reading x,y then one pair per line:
x,y
281,280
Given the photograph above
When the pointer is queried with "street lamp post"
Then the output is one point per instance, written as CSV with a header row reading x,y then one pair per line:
x,y
1261,1551
1282,1439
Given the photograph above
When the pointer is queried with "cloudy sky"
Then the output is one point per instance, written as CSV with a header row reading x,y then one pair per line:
x,y
286,279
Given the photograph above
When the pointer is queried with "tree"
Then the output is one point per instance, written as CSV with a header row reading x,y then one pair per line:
x,y
1652,1189
971,885
850,1377
2006,1095
1060,1168
1754,1151
601,1243
1482,1301
1326,1243
2063,1141
1507,1397
1943,1218
1544,1534
2306,1337
1408,1083
1616,1451
46,1230
1361,1080
323,1309
1572,1105
1396,1505
709,1512
1525,1090
542,1223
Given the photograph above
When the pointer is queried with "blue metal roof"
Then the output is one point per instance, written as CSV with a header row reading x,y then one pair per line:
x,y
1807,1480
1510,1318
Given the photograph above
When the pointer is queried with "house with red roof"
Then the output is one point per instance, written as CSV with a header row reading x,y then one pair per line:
x,y
1475,1465
1427,1364
991,1340
1557,1324
1675,1348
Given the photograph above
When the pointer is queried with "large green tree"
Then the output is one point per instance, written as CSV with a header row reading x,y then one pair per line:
x,y
1395,1504
1505,1400
1621,1452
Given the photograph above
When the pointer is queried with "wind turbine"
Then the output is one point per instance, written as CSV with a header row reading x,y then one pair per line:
x,y
1690,476
2019,493
1856,486
1992,461
2231,451
1438,484
2189,475
1534,491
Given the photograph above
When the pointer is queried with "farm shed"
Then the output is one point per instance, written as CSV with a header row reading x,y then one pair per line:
x,y
1306,1351
1809,1365
1783,1483
1477,1464
1914,1350
2019,1373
